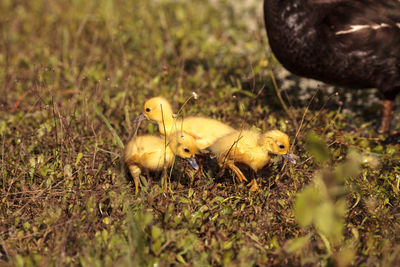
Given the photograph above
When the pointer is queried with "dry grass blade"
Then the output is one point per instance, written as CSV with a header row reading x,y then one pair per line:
x,y
114,133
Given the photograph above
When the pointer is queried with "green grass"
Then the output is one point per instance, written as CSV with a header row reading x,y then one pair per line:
x,y
74,74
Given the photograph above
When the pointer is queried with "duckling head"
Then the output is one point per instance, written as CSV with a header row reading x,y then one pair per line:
x,y
277,142
184,146
157,109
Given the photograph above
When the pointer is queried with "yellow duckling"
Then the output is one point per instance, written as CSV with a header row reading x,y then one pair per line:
x,y
204,130
153,153
250,148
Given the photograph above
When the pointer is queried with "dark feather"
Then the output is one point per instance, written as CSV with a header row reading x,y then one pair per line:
x,y
352,43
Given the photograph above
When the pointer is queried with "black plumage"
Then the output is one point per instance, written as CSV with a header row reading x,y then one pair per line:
x,y
351,43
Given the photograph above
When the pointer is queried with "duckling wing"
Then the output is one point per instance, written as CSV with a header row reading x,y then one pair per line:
x,y
205,130
147,151
153,161
234,145
224,144
254,157
248,151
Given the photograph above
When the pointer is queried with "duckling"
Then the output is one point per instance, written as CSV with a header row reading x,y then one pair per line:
x,y
250,148
204,130
153,153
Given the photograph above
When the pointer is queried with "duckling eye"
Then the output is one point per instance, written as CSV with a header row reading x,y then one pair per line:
x,y
148,109
186,150
281,146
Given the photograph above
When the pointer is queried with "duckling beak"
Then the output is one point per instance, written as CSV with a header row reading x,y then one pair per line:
x,y
193,163
289,157
140,118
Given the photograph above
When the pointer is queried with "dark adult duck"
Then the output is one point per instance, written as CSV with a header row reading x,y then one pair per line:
x,y
351,43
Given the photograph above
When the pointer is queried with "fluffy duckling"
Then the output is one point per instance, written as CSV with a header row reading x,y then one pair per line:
x,y
250,148
153,153
204,130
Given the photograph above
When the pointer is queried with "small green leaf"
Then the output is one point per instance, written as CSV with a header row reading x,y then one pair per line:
x,y
106,220
78,158
155,232
27,225
296,244
191,191
317,148
306,204
180,259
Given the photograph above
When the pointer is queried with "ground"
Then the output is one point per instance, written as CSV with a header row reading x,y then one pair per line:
x,y
75,74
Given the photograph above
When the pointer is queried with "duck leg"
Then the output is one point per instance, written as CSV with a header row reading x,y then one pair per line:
x,y
237,171
135,172
387,115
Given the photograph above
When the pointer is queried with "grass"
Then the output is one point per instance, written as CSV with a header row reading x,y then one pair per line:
x,y
75,74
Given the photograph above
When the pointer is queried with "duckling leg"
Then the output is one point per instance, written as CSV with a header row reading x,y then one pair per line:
x,y
387,114
135,172
237,171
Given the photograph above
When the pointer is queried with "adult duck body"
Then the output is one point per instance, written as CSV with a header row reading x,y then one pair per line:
x,y
351,43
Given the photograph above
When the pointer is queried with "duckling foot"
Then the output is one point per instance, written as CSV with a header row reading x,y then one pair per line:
x,y
253,186
237,171
135,172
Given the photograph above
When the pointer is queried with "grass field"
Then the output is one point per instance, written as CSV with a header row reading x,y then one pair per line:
x,y
74,75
